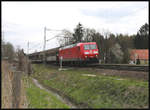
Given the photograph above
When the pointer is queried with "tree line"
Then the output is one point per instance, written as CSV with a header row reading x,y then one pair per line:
x,y
112,48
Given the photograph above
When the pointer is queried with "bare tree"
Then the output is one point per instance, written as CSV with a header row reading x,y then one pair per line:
x,y
65,38
117,56
88,35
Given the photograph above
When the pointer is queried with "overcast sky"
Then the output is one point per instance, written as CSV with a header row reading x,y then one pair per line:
x,y
25,21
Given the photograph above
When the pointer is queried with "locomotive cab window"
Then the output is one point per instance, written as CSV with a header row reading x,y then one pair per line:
x,y
93,46
86,47
90,46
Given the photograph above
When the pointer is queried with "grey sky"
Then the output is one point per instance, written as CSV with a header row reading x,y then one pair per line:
x,y
25,21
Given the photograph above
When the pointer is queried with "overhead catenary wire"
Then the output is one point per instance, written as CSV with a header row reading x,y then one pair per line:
x,y
35,45
45,40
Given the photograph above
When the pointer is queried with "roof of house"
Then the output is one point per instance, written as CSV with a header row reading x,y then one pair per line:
x,y
142,54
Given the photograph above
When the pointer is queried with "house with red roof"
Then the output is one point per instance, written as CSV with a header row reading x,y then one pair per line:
x,y
141,54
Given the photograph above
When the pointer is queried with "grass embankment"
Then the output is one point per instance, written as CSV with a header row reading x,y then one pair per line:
x,y
38,98
97,92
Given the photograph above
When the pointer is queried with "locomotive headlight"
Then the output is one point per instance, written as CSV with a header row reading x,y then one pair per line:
x,y
86,52
95,52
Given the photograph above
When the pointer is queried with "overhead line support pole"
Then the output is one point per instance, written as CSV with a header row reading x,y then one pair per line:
x,y
44,56
28,48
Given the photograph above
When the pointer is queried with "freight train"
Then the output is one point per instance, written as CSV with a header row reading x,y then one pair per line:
x,y
79,53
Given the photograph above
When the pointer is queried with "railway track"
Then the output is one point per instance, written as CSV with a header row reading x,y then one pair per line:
x,y
113,66
108,66
121,67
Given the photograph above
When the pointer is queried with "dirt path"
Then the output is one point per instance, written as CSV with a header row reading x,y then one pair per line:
x,y
55,94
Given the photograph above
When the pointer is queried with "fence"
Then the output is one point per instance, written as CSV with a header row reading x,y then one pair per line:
x,y
17,68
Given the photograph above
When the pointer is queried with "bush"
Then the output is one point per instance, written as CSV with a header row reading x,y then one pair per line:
x,y
138,61
8,51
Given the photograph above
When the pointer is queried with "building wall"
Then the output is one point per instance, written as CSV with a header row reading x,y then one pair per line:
x,y
144,61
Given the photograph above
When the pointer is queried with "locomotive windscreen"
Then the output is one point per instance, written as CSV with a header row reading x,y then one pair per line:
x,y
89,46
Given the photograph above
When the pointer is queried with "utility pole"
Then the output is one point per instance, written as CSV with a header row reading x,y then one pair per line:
x,y
2,44
44,54
3,36
44,46
28,48
106,54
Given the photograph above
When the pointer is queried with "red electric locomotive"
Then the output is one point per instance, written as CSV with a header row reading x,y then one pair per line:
x,y
80,52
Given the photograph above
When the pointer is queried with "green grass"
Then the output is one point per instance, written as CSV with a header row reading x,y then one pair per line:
x,y
98,92
39,98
